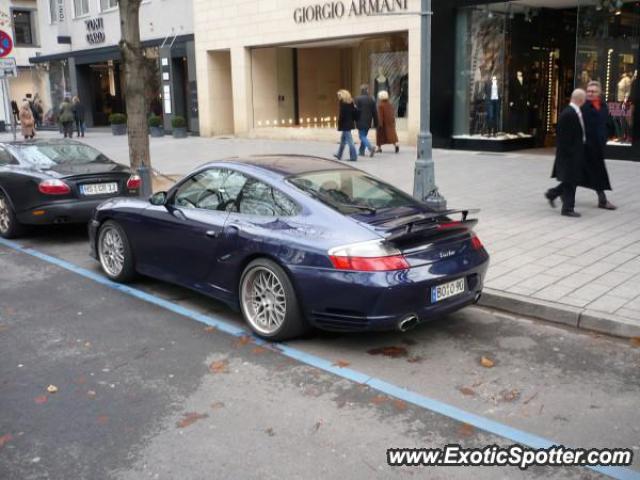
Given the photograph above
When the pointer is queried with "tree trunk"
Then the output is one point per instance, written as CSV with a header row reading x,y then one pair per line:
x,y
134,63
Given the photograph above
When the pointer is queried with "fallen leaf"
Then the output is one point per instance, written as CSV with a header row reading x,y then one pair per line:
x,y
379,400
219,366
341,364
400,405
41,399
91,394
317,426
103,419
5,439
393,351
415,359
510,395
486,362
242,341
87,344
52,389
269,431
258,350
190,418
470,392
635,341
217,405
209,329
466,430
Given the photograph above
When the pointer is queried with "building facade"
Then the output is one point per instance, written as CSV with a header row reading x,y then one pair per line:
x,y
81,54
19,19
501,72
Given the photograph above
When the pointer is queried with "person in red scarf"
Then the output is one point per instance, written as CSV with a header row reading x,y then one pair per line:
x,y
596,121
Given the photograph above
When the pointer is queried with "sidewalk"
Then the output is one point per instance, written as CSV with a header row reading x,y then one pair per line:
x,y
583,272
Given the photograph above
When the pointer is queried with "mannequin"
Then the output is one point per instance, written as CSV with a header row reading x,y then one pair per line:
x,y
404,93
492,101
624,87
519,104
381,83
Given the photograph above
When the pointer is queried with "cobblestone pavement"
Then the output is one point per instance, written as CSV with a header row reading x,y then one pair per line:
x,y
592,263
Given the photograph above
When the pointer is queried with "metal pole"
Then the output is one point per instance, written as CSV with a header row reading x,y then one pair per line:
x,y
424,186
7,105
146,190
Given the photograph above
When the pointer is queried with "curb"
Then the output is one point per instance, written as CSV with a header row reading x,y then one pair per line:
x,y
579,318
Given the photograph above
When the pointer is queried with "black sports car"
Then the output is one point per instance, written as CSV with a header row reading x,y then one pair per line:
x,y
56,181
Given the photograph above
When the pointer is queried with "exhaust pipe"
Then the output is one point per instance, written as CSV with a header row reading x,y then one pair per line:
x,y
408,323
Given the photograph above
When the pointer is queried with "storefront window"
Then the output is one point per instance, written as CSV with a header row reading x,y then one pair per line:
x,y
296,85
60,88
608,51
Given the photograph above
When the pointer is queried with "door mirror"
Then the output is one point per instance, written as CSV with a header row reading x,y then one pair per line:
x,y
159,198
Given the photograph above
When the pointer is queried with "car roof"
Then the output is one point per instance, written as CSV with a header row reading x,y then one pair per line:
x,y
287,165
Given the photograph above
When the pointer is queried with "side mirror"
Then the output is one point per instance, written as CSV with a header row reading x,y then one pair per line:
x,y
159,198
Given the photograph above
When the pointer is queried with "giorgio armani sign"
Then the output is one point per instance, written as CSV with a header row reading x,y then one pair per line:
x,y
340,9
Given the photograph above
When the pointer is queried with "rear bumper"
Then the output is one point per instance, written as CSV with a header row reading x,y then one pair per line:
x,y
359,301
60,212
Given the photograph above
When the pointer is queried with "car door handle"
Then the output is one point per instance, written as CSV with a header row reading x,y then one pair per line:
x,y
212,234
232,229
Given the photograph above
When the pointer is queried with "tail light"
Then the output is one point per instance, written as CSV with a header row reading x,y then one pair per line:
x,y
54,187
449,225
476,244
134,182
373,256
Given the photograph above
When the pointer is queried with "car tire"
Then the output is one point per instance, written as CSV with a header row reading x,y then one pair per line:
x,y
267,296
114,253
9,225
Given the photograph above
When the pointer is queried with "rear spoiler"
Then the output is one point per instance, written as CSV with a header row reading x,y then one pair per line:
x,y
436,221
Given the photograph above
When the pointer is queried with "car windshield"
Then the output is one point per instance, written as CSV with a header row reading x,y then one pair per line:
x,y
351,191
50,155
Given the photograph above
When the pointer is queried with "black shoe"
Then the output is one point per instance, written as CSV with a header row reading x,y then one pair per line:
x,y
397,148
571,213
373,152
337,157
551,198
607,206
361,154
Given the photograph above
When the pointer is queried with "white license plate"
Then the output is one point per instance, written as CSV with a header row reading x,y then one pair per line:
x,y
447,290
99,188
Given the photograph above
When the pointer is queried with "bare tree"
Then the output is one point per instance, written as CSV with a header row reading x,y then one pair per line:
x,y
135,75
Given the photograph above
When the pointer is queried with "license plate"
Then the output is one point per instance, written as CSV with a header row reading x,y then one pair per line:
x,y
447,290
99,188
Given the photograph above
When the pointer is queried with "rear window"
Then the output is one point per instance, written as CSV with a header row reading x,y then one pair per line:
x,y
351,191
44,156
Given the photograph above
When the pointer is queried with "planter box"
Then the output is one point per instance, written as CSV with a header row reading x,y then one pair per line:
x,y
119,129
156,131
180,132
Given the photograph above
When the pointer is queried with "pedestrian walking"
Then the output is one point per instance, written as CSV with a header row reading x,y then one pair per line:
x,y
366,106
78,116
596,118
347,118
568,168
386,132
66,118
27,122
15,110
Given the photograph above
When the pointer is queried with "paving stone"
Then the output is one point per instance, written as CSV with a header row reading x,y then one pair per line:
x,y
607,303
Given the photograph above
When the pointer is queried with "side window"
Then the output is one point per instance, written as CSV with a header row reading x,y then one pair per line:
x,y
213,189
258,198
5,157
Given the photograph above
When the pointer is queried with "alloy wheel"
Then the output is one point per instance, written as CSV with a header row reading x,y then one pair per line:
x,y
111,251
264,300
5,219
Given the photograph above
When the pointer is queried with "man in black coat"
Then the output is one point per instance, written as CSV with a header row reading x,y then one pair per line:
x,y
596,117
568,168
368,117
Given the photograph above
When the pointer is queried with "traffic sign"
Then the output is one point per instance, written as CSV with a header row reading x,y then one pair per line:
x,y
6,44
8,67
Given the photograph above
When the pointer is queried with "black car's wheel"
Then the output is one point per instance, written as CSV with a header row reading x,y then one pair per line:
x,y
114,252
268,301
9,225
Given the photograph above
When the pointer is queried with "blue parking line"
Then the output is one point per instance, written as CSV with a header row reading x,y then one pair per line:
x,y
491,426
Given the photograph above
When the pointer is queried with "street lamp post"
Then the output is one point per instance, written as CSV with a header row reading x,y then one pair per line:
x,y
424,183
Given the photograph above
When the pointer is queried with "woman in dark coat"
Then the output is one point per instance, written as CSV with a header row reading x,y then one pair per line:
x,y
596,116
386,132
347,118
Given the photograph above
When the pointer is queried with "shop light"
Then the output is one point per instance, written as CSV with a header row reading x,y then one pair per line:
x,y
606,94
268,123
291,121
301,120
550,91
259,123
308,120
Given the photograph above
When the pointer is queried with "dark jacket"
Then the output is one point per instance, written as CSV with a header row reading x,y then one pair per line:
x,y
595,122
347,117
78,112
570,148
368,112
